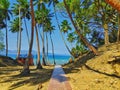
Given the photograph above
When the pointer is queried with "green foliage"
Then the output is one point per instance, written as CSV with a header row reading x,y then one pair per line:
x,y
1,41
48,27
4,13
15,25
4,4
60,7
24,8
78,50
41,15
65,26
71,37
96,38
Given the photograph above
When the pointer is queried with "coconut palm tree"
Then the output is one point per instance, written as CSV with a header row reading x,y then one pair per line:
x,y
21,9
25,12
39,20
39,66
77,31
26,69
42,15
4,6
49,28
65,27
55,12
15,26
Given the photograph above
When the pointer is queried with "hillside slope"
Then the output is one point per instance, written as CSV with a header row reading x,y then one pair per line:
x,y
7,61
101,72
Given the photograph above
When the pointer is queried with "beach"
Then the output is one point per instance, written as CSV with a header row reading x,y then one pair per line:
x,y
11,80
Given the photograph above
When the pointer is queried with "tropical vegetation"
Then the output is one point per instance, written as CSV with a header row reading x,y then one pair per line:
x,y
85,24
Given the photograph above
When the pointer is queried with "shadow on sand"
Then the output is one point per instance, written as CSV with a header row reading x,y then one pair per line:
x,y
97,71
74,67
35,77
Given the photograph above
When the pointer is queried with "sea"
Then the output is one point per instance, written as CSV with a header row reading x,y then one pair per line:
x,y
59,59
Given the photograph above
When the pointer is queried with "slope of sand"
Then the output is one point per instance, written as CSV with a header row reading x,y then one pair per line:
x,y
11,80
101,72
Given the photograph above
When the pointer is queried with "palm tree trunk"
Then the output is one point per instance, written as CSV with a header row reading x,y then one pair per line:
x,y
61,33
40,32
46,47
17,41
27,31
26,70
43,48
77,31
39,66
106,35
52,49
118,34
6,39
19,44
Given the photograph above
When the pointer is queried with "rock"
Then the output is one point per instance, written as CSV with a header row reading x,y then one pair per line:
x,y
98,80
115,82
112,82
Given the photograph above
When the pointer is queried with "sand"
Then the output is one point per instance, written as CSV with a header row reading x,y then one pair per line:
x,y
101,72
11,80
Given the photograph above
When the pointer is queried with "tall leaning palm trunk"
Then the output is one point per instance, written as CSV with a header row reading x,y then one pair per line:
x,y
6,39
78,32
52,49
47,47
61,33
39,66
43,48
26,69
26,31
19,44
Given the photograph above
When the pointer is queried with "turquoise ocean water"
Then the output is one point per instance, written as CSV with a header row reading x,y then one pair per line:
x,y
59,59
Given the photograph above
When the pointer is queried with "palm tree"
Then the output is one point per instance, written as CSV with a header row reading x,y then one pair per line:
x,y
15,27
22,9
26,70
2,24
65,27
43,48
20,34
25,12
104,16
4,5
42,16
47,47
54,3
78,32
39,66
39,20
49,28
71,37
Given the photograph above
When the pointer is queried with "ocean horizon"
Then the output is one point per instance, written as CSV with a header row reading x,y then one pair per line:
x,y
60,59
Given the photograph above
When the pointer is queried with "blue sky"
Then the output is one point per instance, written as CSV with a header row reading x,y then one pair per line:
x,y
59,46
